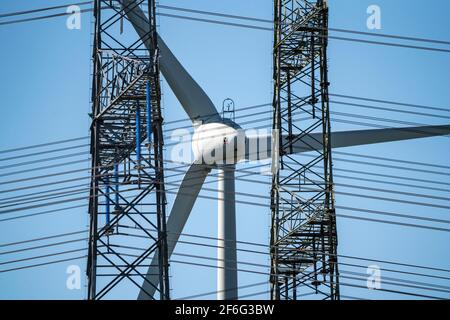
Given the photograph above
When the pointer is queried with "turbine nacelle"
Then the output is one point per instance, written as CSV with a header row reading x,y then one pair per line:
x,y
218,143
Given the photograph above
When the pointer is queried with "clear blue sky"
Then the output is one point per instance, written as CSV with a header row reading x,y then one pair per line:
x,y
45,96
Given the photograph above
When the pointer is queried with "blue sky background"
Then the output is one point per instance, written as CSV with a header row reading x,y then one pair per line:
x,y
45,96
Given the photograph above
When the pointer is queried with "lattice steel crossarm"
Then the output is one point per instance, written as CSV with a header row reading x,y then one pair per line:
x,y
126,116
303,235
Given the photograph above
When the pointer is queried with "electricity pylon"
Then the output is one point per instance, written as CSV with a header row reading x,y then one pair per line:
x,y
303,234
127,197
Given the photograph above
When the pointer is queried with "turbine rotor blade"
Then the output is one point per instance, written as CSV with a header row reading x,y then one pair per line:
x,y
366,137
259,147
194,100
184,202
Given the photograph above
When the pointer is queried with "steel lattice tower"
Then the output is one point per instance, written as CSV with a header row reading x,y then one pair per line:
x,y
303,235
127,197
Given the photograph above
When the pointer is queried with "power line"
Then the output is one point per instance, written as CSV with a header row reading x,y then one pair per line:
x,y
403,104
305,251
64,164
41,17
338,113
43,145
391,291
71,179
11,14
345,160
416,186
410,194
337,152
48,159
43,246
332,29
341,272
241,109
380,158
216,246
393,214
247,26
42,238
70,155
43,264
392,176
436,287
43,256
244,171
404,282
401,283
271,30
341,207
372,118
392,223
204,294
337,169
358,105
344,185
44,152
386,166
253,195
391,44
42,193
391,160
263,205
240,17
63,193
43,212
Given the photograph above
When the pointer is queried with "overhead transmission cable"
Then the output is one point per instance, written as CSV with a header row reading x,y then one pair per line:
x,y
240,109
407,281
246,243
237,110
263,205
401,283
248,26
40,160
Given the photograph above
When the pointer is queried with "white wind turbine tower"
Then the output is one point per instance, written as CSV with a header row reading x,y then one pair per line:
x,y
211,133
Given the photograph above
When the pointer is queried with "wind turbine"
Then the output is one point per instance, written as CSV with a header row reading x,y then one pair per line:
x,y
213,133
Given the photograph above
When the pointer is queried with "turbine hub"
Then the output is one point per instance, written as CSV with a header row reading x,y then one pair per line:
x,y
218,143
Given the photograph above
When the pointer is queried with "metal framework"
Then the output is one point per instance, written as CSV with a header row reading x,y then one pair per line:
x,y
127,200
303,235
